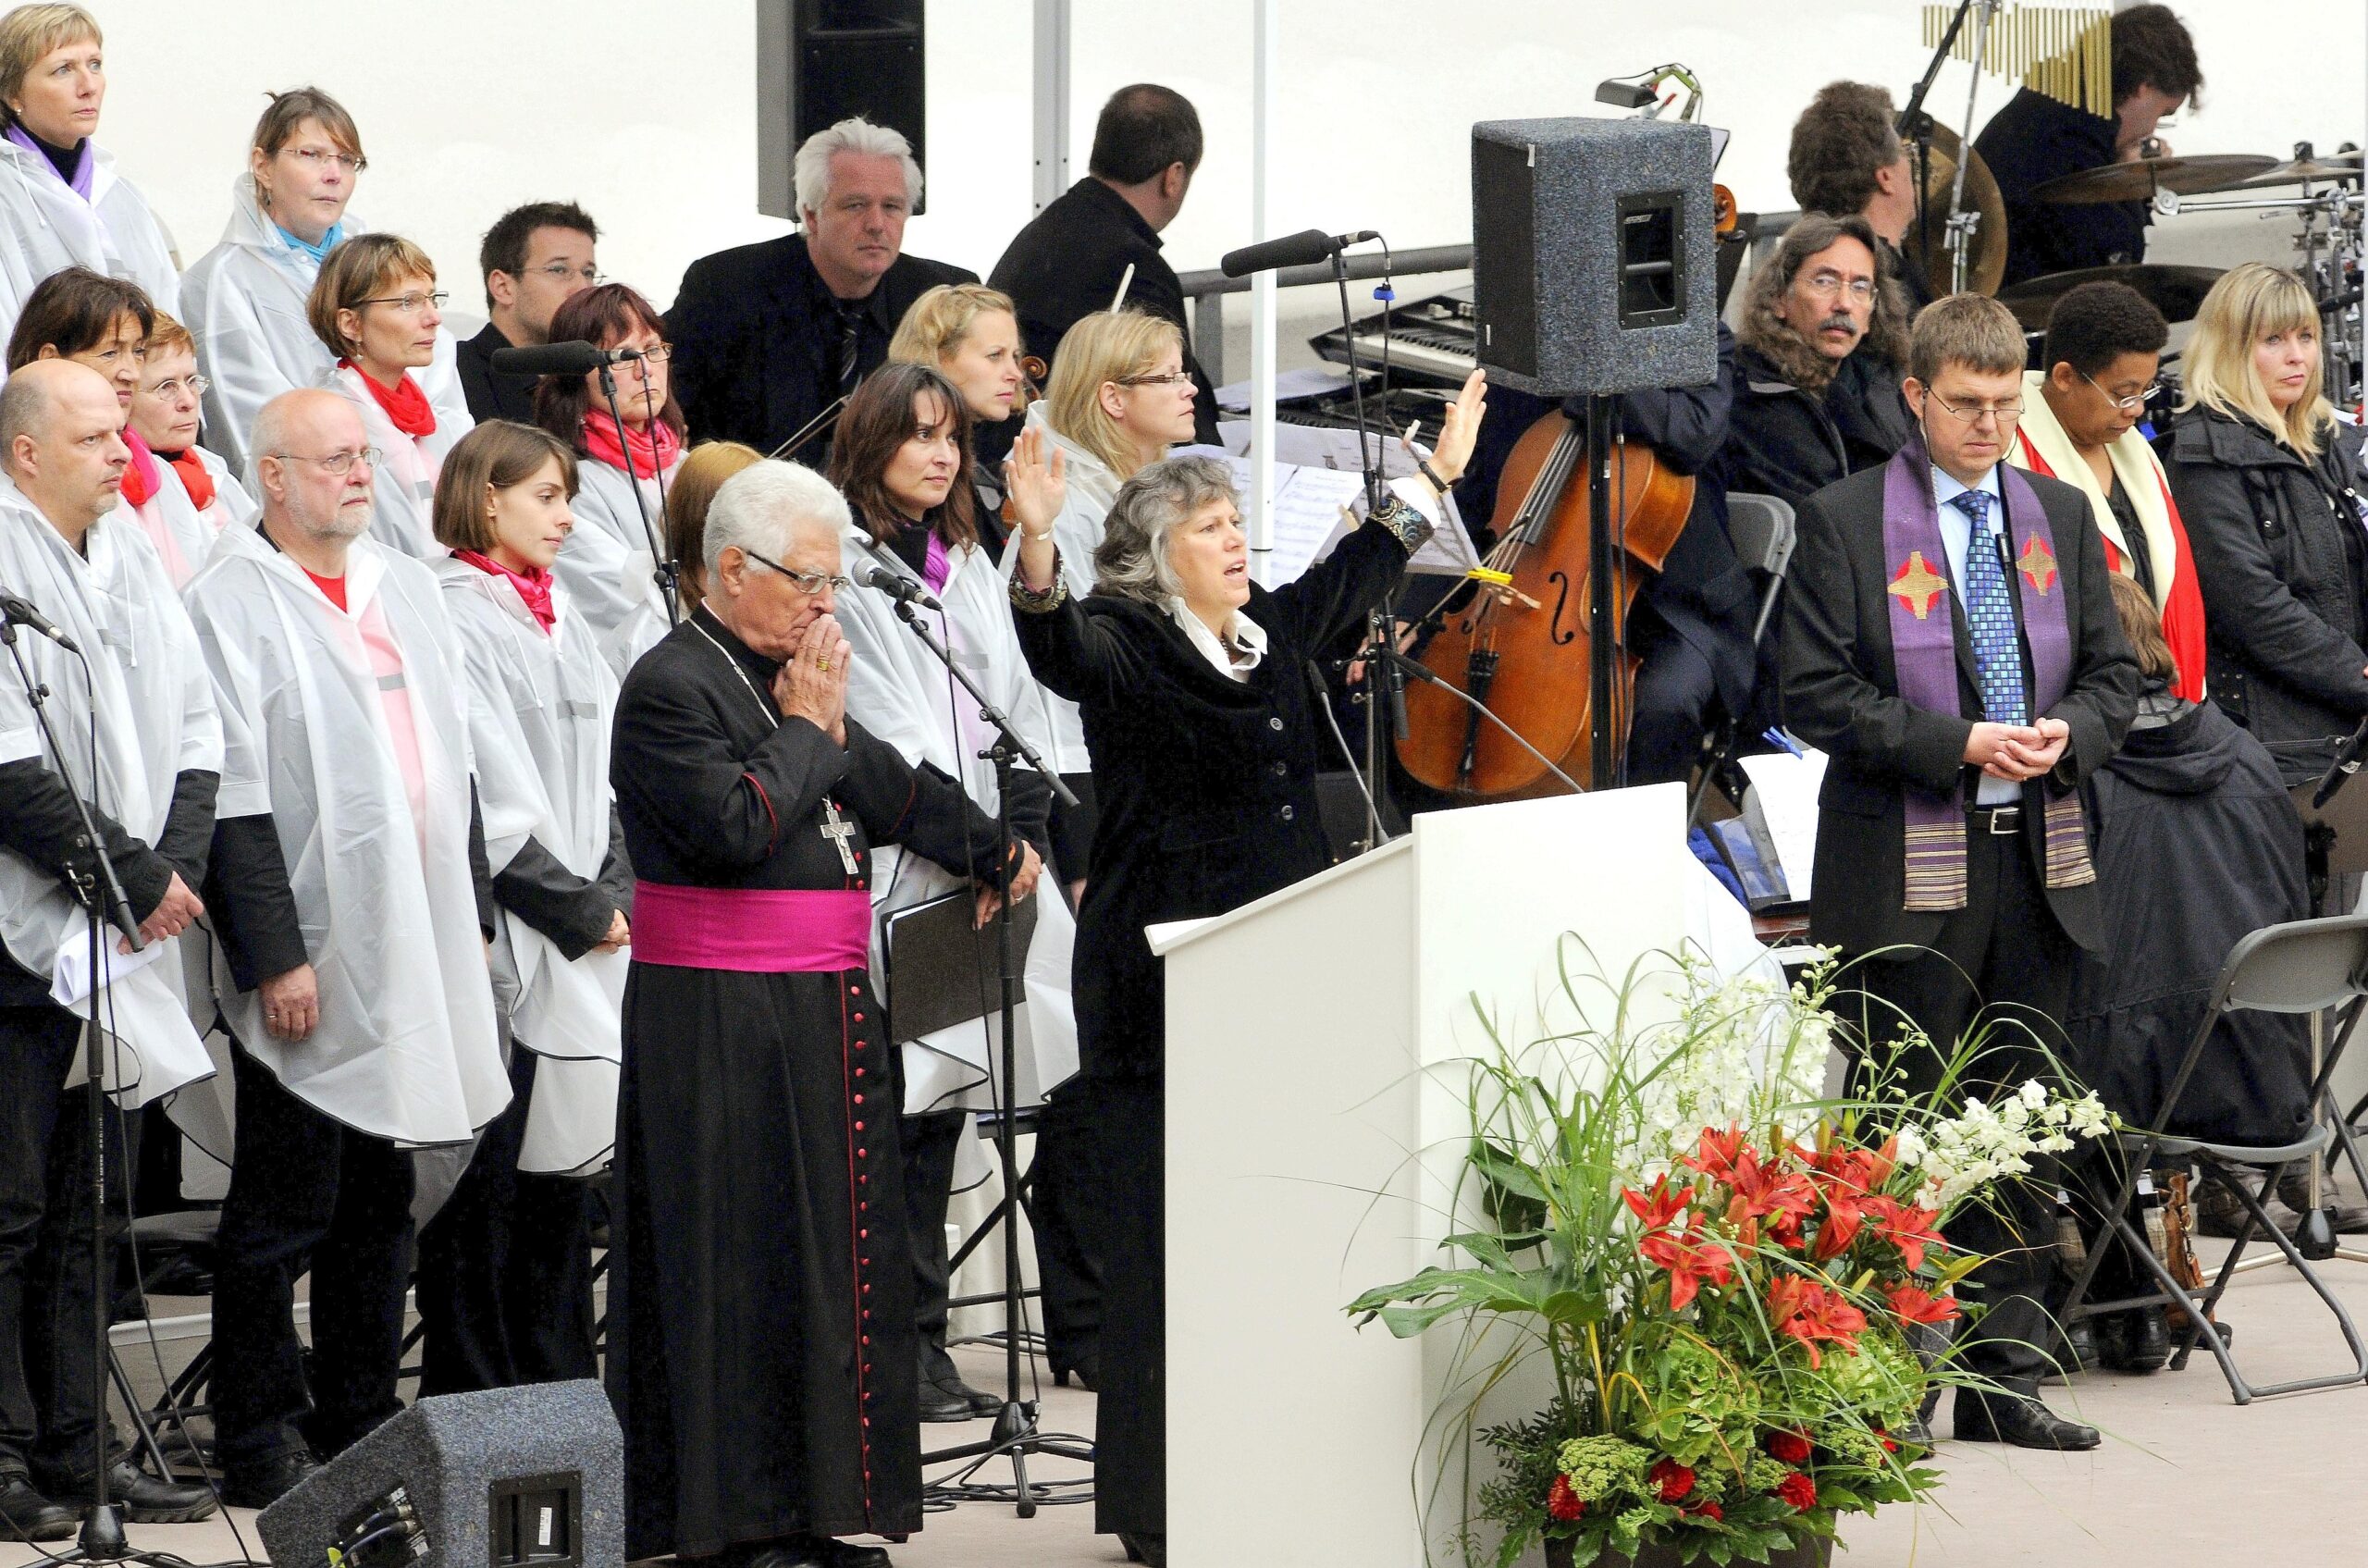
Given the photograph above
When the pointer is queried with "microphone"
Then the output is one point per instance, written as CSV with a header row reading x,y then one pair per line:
x,y
895,584
1304,249
572,357
2345,763
22,612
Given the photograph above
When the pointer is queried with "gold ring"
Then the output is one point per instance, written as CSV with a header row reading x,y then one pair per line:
x,y
825,664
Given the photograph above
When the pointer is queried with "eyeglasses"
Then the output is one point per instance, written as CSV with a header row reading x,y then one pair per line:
x,y
316,158
1826,285
412,304
195,386
591,279
808,583
2004,413
657,354
337,463
2130,404
1172,379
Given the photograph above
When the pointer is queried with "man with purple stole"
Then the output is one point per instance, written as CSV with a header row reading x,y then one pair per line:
x,y
762,1350
1950,642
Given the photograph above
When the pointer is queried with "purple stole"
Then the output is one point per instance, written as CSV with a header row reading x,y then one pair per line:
x,y
1923,640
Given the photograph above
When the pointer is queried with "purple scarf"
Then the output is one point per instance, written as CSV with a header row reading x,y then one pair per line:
x,y
80,183
1923,639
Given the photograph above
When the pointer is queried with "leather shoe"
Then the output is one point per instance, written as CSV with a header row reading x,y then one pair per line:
x,y
980,1402
144,1499
2026,1423
941,1403
833,1553
1147,1547
2138,1340
793,1552
26,1515
263,1482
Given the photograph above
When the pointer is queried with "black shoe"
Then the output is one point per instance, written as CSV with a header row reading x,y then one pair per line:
x,y
941,1405
26,1515
2138,1340
1147,1547
833,1553
795,1552
2024,1422
2082,1347
980,1402
144,1499
266,1481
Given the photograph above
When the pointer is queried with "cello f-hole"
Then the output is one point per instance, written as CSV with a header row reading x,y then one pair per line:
x,y
1561,597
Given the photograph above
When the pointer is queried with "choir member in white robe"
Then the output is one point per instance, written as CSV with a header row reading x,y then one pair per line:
x,y
376,306
901,455
353,941
185,495
62,204
66,547
505,1269
688,494
244,299
610,563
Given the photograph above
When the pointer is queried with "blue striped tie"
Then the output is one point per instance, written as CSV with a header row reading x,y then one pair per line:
x,y
1990,614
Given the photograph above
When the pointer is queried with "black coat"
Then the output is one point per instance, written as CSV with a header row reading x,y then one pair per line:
x,y
1842,695
1206,786
1786,441
755,352
490,393
1067,264
2032,139
2198,843
2285,592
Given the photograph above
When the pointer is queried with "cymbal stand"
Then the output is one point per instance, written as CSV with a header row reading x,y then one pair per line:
x,y
1963,225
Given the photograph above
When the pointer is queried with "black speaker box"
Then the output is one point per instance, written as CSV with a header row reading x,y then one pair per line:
x,y
510,1479
1592,254
820,61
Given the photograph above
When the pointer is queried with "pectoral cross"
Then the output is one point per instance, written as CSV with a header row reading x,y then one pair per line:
x,y
838,830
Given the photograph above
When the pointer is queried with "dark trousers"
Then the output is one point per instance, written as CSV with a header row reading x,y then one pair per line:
x,y
1129,1117
47,1364
1670,712
2004,951
306,1190
505,1267
931,1141
1065,1174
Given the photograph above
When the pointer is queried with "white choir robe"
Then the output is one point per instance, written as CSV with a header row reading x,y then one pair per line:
x,y
607,565
1078,533
403,498
183,534
539,709
156,720
243,301
45,227
897,690
406,1048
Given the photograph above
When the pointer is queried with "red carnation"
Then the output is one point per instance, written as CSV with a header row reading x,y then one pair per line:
x,y
1793,1448
1674,1480
1707,1510
1798,1490
1563,1503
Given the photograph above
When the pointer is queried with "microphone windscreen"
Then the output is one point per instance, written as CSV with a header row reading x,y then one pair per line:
x,y
1304,249
573,357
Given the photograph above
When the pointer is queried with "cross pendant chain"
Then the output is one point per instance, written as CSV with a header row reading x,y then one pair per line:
x,y
838,830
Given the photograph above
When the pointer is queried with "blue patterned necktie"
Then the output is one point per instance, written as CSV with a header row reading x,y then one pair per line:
x,y
1990,614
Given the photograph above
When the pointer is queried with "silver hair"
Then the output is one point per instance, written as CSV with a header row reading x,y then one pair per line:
x,y
1131,561
855,134
761,508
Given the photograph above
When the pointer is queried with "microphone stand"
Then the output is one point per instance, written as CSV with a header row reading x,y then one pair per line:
x,y
1422,671
663,573
1916,126
101,1539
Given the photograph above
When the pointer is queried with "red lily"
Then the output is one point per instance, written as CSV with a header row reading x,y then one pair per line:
x,y
1785,1196
1844,1218
1661,1207
1716,1155
1692,1257
1909,1227
1915,1304
1811,1313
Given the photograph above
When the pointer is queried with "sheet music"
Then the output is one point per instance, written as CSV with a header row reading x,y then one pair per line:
x,y
1302,382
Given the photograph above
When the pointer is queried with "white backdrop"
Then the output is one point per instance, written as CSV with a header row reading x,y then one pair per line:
x,y
646,112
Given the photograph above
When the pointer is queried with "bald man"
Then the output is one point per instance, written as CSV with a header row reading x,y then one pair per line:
x,y
88,569
353,918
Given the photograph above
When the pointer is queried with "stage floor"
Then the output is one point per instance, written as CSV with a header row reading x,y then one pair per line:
x,y
2185,1476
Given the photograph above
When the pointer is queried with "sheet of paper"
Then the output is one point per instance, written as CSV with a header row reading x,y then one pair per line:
x,y
1784,791
1302,381
1307,518
70,984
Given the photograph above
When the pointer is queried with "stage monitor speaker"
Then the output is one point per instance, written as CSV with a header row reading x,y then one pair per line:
x,y
527,1477
1592,263
820,61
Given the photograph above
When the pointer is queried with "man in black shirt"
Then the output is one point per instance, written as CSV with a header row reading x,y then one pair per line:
x,y
768,336
534,258
1068,261
1846,157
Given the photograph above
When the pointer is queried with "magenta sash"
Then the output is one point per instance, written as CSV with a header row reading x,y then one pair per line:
x,y
757,930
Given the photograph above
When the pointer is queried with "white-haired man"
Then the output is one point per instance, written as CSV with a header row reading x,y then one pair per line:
x,y
761,1348
768,336
352,922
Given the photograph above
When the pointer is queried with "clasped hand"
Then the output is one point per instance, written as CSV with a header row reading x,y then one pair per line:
x,y
2016,752
812,684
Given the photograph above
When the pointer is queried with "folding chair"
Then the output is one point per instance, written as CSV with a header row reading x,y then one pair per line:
x,y
2302,967
1763,532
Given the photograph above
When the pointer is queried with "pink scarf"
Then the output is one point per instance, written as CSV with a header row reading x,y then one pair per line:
x,y
141,479
653,448
534,587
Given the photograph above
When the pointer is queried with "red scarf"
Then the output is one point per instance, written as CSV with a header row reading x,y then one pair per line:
x,y
196,479
653,448
406,405
141,477
534,587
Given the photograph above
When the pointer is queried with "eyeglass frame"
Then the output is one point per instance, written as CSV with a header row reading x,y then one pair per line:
x,y
2127,406
593,278
438,298
352,163
831,581
1840,285
198,386
374,456
1169,378
2005,416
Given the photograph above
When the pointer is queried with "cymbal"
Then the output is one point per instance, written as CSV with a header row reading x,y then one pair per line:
x,y
2329,165
1988,264
2139,179
2176,292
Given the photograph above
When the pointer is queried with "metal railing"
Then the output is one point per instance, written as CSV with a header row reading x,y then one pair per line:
x,y
1207,290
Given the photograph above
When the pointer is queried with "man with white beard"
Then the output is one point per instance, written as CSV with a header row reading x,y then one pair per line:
x,y
353,934
88,570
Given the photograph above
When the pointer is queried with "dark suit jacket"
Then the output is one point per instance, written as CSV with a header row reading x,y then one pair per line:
x,y
490,394
2032,139
752,363
1067,264
1841,695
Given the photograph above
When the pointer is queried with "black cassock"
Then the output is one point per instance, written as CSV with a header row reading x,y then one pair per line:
x,y
761,1348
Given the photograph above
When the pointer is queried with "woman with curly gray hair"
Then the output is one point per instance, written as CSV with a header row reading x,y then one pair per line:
x,y
1193,687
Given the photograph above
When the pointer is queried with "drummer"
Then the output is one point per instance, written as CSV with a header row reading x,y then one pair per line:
x,y
2035,139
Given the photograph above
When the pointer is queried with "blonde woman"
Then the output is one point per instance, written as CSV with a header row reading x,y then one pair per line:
x,y
2268,483
969,333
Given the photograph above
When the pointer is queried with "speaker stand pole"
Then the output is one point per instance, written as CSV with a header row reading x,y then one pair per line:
x,y
1604,730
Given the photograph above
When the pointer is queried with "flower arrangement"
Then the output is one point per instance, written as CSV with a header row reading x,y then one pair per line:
x,y
1728,1273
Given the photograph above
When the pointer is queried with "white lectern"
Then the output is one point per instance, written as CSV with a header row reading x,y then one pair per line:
x,y
1309,1155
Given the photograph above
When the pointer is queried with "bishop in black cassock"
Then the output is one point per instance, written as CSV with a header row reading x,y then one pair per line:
x,y
762,1348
